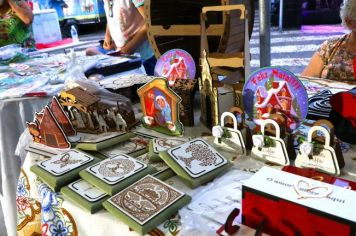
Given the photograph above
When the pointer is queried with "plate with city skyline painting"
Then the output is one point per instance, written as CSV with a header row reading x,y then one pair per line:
x,y
274,90
174,64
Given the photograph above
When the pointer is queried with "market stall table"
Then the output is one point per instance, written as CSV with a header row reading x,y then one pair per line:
x,y
36,203
14,114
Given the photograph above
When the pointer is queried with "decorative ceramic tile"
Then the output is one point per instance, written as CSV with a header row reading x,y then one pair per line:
x,y
115,169
162,144
133,145
65,162
160,166
87,190
145,199
197,157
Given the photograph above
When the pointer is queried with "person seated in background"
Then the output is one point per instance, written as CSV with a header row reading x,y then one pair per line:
x,y
126,31
335,59
15,23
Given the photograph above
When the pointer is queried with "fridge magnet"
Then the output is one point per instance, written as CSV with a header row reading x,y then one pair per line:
x,y
175,64
195,162
271,90
115,173
146,204
162,144
269,148
229,139
160,107
46,130
322,154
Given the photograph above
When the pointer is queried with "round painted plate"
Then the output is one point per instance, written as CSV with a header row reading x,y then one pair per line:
x,y
175,63
275,90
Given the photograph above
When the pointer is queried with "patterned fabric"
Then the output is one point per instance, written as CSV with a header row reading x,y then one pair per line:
x,y
338,61
14,31
45,218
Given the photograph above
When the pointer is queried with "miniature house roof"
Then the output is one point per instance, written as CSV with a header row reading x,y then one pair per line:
x,y
82,97
272,92
175,66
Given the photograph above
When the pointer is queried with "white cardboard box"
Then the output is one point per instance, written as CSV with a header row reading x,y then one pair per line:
x,y
341,202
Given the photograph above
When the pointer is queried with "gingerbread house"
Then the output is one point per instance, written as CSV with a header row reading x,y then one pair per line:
x,y
278,98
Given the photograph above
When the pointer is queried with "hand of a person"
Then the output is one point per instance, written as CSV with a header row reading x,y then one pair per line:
x,y
109,44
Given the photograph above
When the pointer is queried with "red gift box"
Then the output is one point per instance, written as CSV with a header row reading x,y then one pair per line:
x,y
276,210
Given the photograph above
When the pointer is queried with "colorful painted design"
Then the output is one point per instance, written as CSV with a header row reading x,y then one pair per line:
x,y
160,107
56,220
275,90
28,209
174,64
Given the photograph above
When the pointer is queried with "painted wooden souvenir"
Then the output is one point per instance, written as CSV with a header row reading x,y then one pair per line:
x,y
160,107
275,90
93,114
146,203
163,170
323,155
223,71
175,64
269,148
48,131
229,139
62,117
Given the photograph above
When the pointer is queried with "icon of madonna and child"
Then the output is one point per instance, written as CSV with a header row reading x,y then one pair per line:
x,y
161,111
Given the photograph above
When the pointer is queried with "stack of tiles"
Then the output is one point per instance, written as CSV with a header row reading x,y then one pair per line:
x,y
63,168
116,173
195,162
146,204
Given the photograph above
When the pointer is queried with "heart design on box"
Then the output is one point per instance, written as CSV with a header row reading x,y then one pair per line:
x,y
311,191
